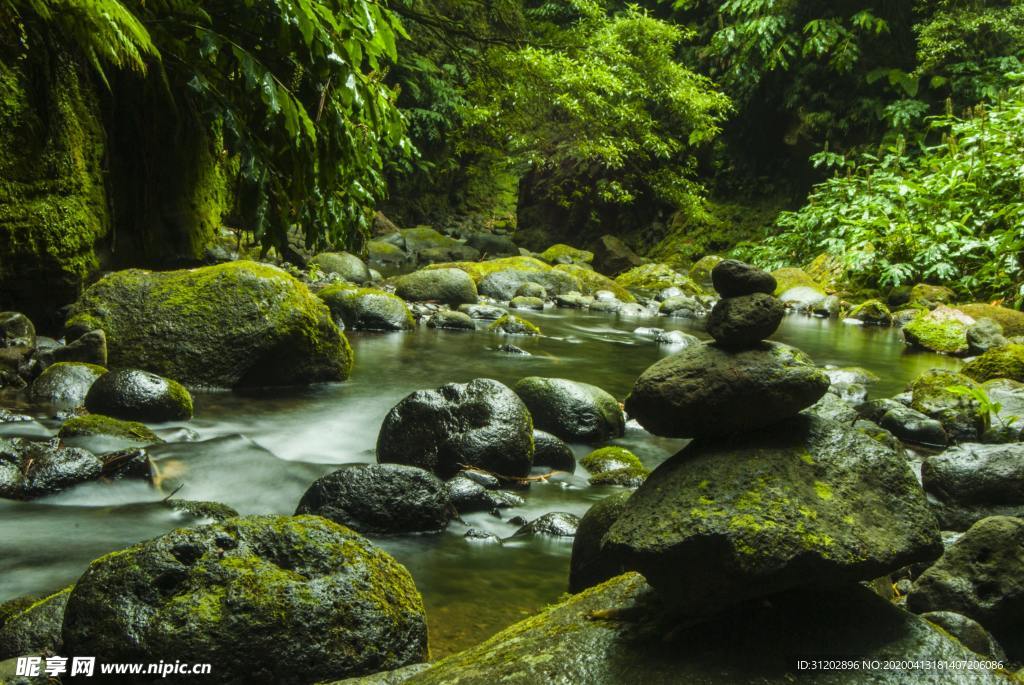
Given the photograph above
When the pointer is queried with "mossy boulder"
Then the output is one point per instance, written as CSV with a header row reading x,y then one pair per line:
x,y
504,284
510,324
573,411
652,278
700,272
561,253
344,264
92,425
610,459
481,424
872,312
797,287
930,296
450,320
1001,362
590,564
35,469
230,325
942,330
945,396
979,576
36,629
807,501
622,632
65,384
268,599
706,390
367,309
449,286
1011,320
420,238
386,255
136,395
592,282
529,303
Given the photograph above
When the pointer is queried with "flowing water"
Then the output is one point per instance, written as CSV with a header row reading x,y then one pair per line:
x,y
258,452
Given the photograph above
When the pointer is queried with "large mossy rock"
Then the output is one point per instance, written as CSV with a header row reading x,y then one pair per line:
x,y
65,384
230,325
796,287
481,424
266,599
448,286
941,330
560,253
970,482
1002,362
94,425
1011,320
591,282
344,264
930,296
36,629
573,411
705,390
981,576
380,498
945,396
621,632
809,501
653,278
53,202
367,309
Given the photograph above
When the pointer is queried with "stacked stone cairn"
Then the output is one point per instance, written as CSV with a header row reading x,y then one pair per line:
x,y
765,499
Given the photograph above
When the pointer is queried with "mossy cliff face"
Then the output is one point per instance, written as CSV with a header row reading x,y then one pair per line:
x,y
265,599
235,324
53,206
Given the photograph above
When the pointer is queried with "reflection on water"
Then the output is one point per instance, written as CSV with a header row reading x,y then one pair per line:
x,y
257,452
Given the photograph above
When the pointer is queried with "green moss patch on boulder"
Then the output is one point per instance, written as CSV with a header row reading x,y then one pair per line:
x,y
941,330
96,424
1002,362
36,629
945,396
1011,320
561,253
510,324
230,325
873,312
591,282
609,459
367,308
926,295
344,264
651,278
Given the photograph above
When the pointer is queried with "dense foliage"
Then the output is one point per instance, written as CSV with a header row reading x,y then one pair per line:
x,y
949,212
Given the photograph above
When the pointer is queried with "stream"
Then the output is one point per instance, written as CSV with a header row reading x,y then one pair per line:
x,y
258,452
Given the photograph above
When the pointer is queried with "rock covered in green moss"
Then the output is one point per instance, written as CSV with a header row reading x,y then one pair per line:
x,y
930,296
622,632
448,286
609,459
534,290
590,564
530,303
1002,362
946,396
386,255
265,598
65,384
92,425
34,469
806,501
446,319
380,498
796,285
979,576
592,282
573,411
344,264
939,330
872,312
510,324
505,283
970,482
419,238
705,390
235,324
560,253
136,395
481,424
36,629
652,278
492,245
1011,320
367,309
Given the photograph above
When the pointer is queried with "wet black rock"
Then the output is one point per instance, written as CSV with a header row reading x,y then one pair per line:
x,y
481,424
65,384
981,576
284,600
590,564
970,482
556,524
573,411
742,322
551,451
905,423
137,395
35,469
732,278
380,498
16,330
705,390
89,348
468,496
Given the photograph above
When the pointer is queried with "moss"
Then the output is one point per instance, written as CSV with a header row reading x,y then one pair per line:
x,y
1011,320
610,459
367,308
822,490
592,281
479,270
655,277
511,324
789,277
937,333
827,270
700,272
872,312
239,323
924,294
561,253
1001,362
97,424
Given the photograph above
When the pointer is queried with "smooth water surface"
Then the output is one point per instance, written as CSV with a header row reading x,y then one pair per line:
x,y
258,452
